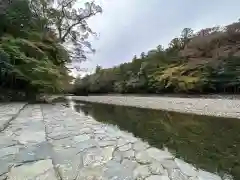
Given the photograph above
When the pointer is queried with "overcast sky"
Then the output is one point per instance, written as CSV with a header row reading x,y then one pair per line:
x,y
129,27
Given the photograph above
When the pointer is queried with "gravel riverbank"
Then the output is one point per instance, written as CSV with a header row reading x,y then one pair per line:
x,y
201,106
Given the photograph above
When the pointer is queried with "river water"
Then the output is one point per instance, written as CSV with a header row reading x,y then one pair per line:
x,y
209,143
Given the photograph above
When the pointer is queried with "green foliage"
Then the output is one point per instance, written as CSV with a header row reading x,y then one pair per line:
x,y
31,64
193,63
16,18
226,76
68,21
32,59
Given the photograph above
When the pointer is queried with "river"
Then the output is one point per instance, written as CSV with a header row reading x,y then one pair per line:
x,y
209,143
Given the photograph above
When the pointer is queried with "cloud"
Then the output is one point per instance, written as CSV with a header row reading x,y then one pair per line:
x,y
129,27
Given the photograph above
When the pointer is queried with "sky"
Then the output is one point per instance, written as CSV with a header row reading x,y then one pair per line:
x,y
129,27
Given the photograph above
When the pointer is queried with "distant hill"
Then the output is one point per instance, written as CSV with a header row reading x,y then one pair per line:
x,y
207,61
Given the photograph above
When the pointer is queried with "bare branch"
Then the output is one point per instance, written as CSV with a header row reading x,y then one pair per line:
x,y
75,24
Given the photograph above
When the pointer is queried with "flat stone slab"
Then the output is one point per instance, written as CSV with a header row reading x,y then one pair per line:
x,y
186,168
42,169
206,175
50,142
7,113
24,151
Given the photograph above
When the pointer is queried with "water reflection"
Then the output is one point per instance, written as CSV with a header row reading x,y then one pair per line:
x,y
209,143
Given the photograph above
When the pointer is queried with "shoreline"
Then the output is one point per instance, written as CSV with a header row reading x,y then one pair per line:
x,y
194,96
228,108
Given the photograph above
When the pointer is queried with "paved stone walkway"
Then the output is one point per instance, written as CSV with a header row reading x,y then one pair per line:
x,y
47,142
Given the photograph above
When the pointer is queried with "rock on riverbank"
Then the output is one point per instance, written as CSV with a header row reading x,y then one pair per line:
x,y
201,106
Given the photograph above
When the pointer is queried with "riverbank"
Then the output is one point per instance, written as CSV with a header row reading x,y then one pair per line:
x,y
177,95
201,106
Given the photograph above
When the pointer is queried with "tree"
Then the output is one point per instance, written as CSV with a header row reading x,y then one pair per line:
x,y
186,35
188,65
142,55
98,69
134,58
32,57
160,48
69,22
174,47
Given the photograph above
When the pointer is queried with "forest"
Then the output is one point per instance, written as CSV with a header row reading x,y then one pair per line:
x,y
207,61
39,40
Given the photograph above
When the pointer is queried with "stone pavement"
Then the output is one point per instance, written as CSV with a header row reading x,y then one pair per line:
x,y
8,112
52,142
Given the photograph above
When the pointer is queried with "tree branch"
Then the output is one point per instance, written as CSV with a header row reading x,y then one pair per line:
x,y
75,24
92,13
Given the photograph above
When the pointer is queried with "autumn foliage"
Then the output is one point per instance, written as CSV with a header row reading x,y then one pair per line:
x,y
207,61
